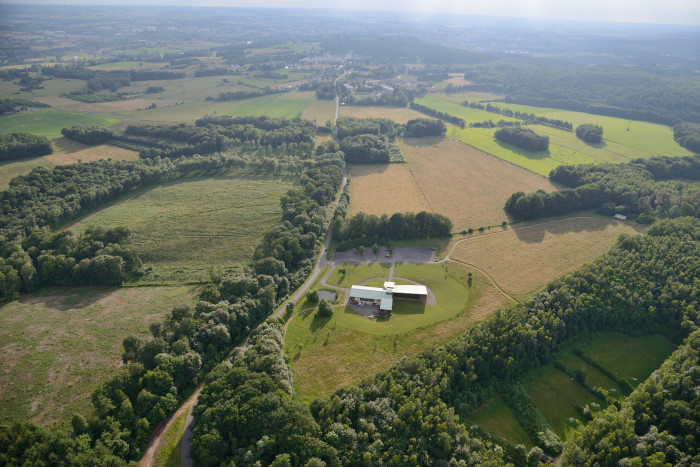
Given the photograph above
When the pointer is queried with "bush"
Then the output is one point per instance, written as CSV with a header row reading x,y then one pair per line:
x,y
312,296
590,133
325,310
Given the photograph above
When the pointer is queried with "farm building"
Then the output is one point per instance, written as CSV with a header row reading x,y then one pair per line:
x,y
620,217
384,297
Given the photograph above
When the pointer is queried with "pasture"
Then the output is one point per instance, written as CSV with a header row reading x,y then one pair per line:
x,y
633,358
50,122
183,230
58,344
319,110
442,175
623,139
500,419
524,259
66,151
327,354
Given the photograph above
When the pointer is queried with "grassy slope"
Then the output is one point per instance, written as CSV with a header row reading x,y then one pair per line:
x,y
183,229
58,344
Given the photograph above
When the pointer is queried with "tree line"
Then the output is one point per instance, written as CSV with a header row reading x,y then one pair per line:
x,y
368,229
240,95
9,105
523,138
528,118
437,114
413,412
652,188
23,145
160,371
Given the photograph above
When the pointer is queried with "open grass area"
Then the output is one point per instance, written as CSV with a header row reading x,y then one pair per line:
x,y
397,114
183,229
354,274
500,419
633,358
557,395
594,377
58,344
49,122
320,110
524,259
623,139
326,355
66,151
442,175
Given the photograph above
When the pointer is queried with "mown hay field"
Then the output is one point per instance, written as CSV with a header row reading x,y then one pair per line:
x,y
442,175
326,355
525,259
49,122
58,344
184,229
320,110
397,114
65,152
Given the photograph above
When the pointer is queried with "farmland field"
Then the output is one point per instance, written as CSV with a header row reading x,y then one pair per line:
x,y
397,114
524,259
624,139
184,229
66,151
326,355
58,344
320,110
49,123
442,175
499,418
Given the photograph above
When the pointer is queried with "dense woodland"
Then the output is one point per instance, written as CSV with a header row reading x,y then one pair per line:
x,y
590,133
654,188
419,127
411,413
23,145
687,136
523,138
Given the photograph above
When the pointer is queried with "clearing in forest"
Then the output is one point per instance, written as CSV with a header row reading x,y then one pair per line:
x,y
328,354
58,344
525,259
445,176
499,418
183,230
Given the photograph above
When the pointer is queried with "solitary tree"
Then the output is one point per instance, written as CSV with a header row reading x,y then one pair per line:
x,y
324,309
312,296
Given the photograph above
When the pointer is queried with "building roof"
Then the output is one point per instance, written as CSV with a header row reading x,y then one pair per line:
x,y
366,293
387,302
411,289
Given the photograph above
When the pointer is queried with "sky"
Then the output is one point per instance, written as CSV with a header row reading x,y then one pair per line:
x,y
636,11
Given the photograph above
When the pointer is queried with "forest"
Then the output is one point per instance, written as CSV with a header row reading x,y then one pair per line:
x,y
654,188
687,136
590,133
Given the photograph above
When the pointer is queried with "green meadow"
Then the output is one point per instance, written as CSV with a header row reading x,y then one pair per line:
x,y
184,230
50,122
500,419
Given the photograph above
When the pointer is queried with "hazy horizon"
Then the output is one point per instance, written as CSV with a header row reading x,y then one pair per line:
x,y
678,12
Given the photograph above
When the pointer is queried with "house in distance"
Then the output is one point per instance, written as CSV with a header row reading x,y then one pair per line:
x,y
384,297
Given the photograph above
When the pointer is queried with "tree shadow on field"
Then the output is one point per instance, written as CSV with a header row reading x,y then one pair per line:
x,y
535,156
425,141
64,298
318,322
536,233
367,169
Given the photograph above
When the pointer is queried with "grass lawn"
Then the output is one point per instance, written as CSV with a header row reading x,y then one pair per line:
x,y
354,274
634,358
524,259
327,354
499,418
58,344
556,395
169,453
594,377
183,229
50,122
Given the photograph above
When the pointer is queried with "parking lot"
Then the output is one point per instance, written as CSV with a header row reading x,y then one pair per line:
x,y
399,255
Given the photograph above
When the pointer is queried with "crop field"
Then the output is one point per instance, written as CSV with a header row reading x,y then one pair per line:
x,y
624,139
319,110
557,395
49,123
633,358
184,229
457,79
397,114
65,152
442,175
327,354
57,345
471,96
524,259
499,418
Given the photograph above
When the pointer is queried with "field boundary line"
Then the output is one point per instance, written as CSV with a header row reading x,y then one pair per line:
x,y
420,188
493,281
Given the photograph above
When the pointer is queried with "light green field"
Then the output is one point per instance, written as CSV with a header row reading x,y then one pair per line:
x,y
327,354
49,123
354,274
594,377
287,105
500,419
642,140
630,357
169,453
52,87
263,82
184,229
556,395
59,344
